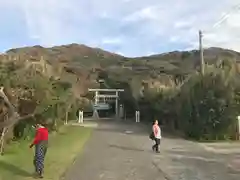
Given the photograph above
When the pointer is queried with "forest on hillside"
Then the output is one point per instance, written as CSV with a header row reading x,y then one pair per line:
x,y
53,82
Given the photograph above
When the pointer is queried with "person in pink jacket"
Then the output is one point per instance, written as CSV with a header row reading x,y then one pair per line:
x,y
157,136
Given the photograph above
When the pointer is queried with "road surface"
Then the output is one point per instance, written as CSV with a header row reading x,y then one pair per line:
x,y
122,151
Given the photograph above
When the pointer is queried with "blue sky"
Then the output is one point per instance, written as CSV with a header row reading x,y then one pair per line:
x,y
128,27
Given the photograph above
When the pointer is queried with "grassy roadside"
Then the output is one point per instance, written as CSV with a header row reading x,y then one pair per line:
x,y
17,163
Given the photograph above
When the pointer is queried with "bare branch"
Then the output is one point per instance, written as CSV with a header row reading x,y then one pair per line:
x,y
5,98
14,119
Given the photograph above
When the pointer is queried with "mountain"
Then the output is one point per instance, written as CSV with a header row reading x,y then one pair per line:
x,y
81,65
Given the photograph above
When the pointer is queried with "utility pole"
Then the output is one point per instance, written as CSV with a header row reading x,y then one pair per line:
x,y
202,63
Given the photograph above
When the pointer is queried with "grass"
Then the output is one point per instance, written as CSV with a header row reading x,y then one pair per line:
x,y
17,162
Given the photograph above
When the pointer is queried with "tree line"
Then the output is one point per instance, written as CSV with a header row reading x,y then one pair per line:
x,y
27,93
203,107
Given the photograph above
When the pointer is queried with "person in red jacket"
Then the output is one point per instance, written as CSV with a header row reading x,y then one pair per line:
x,y
41,144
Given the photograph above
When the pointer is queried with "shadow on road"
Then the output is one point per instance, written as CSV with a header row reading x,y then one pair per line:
x,y
126,148
123,128
131,128
126,131
14,169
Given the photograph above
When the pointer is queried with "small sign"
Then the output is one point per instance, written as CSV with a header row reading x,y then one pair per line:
x,y
101,106
239,125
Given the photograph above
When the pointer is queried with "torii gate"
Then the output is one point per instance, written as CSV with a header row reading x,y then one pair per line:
x,y
98,96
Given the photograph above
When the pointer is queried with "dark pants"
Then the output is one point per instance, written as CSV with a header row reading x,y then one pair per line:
x,y
40,153
156,145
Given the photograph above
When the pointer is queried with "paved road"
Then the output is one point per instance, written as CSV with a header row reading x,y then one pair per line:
x,y
115,154
185,160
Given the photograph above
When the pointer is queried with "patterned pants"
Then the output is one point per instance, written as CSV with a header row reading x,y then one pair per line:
x,y
40,153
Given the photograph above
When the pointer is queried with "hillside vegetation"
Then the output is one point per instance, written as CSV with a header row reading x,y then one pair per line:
x,y
81,65
54,82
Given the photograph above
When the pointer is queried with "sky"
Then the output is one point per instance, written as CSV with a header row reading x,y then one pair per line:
x,y
127,27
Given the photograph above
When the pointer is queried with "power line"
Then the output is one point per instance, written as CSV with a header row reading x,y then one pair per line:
x,y
223,17
220,21
226,15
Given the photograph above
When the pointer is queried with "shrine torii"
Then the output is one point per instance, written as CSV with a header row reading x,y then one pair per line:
x,y
98,95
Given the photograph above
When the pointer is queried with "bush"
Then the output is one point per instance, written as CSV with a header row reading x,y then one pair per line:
x,y
36,93
204,107
208,108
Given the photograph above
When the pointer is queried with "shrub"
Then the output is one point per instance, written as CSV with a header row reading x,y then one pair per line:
x,y
204,107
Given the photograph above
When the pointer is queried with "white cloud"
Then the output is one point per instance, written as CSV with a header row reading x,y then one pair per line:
x,y
182,24
114,40
146,13
147,26
150,53
119,53
174,39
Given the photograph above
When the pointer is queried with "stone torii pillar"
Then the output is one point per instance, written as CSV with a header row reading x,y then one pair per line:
x,y
96,97
121,111
238,127
80,116
137,116
116,104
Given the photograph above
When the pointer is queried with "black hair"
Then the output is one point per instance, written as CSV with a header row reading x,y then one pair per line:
x,y
155,121
39,119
